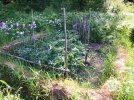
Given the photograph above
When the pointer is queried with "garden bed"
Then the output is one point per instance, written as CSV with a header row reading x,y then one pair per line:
x,y
48,53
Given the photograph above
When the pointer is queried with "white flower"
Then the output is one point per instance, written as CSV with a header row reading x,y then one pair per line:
x,y
6,33
21,33
17,32
10,21
23,25
29,25
39,62
11,25
9,29
127,90
131,81
17,24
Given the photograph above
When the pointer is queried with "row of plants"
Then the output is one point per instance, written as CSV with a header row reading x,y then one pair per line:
x,y
50,50
102,25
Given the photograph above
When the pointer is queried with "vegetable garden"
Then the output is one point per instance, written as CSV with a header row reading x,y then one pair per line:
x,y
51,55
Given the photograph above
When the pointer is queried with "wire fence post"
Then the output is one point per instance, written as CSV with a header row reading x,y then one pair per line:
x,y
65,33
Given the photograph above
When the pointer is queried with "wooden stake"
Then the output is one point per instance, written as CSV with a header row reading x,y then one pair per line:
x,y
89,31
65,32
88,37
33,35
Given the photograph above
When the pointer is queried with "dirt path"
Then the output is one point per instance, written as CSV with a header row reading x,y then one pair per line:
x,y
94,62
105,91
119,63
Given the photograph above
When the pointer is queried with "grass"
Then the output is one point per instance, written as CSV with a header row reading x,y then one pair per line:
x,y
108,69
5,92
37,84
4,39
9,96
125,90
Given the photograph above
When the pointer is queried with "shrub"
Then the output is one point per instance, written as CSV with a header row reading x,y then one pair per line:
x,y
118,6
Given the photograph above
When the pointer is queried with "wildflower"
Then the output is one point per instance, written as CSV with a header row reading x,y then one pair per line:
x,y
17,24
127,90
6,33
33,25
11,21
131,81
3,25
11,25
49,22
9,29
39,62
29,25
23,25
21,33
17,32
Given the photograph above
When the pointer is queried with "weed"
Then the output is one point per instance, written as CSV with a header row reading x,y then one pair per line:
x,y
108,69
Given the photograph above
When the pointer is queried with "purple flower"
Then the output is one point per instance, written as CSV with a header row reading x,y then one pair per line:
x,y
33,25
3,25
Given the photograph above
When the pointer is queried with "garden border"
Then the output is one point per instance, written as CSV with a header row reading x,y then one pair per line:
x,y
31,62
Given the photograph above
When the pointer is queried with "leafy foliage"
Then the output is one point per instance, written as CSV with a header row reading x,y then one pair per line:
x,y
50,50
